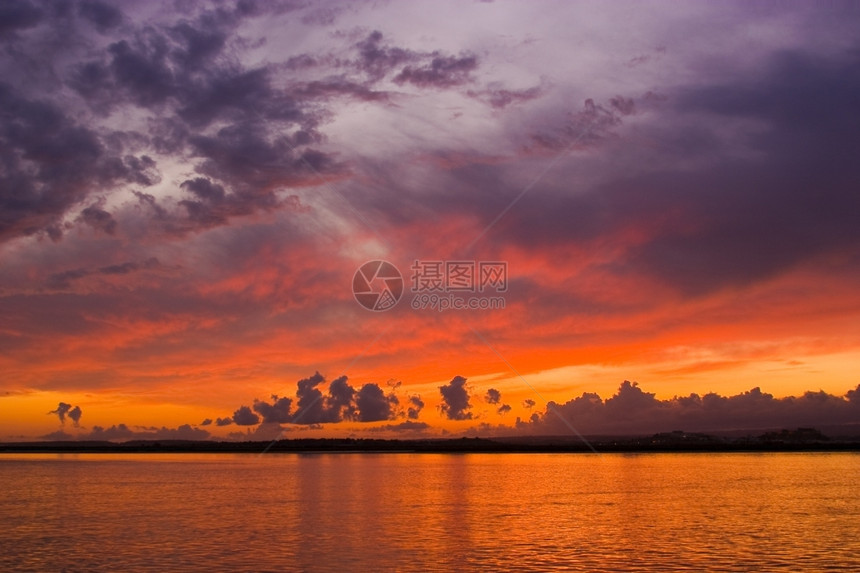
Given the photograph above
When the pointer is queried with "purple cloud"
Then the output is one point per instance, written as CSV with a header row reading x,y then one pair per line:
x,y
632,411
455,399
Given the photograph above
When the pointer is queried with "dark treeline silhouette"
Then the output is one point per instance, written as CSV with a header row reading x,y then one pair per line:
x,y
801,439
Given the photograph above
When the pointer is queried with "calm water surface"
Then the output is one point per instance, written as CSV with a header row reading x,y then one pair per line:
x,y
404,512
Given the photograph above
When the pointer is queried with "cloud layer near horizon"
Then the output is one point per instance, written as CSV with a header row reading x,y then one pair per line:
x,y
630,411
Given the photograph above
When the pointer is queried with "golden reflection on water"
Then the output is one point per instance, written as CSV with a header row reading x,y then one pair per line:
x,y
419,512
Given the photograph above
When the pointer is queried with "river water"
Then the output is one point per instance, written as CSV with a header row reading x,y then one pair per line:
x,y
426,512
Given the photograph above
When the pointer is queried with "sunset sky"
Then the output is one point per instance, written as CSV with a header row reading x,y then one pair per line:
x,y
187,190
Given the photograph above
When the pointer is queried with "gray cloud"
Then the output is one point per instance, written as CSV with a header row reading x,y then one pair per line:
x,y
407,426
121,432
57,436
310,400
98,219
176,70
416,404
440,72
245,417
75,415
65,279
342,402
277,412
455,399
376,59
755,218
588,126
499,98
18,15
338,87
633,411
314,407
103,16
493,396
743,208
242,130
115,432
373,405
339,402
50,163
64,409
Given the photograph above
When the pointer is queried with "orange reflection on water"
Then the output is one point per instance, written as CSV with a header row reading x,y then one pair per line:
x,y
418,512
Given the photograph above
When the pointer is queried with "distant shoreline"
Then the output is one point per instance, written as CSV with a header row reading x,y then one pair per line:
x,y
673,442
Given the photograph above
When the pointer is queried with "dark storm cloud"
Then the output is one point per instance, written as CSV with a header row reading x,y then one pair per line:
x,y
314,407
243,96
742,208
503,409
48,163
277,412
633,411
373,405
455,399
342,402
140,70
339,402
198,45
309,400
493,396
255,166
528,403
223,421
245,417
239,127
18,15
206,422
204,189
103,16
185,73
759,217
